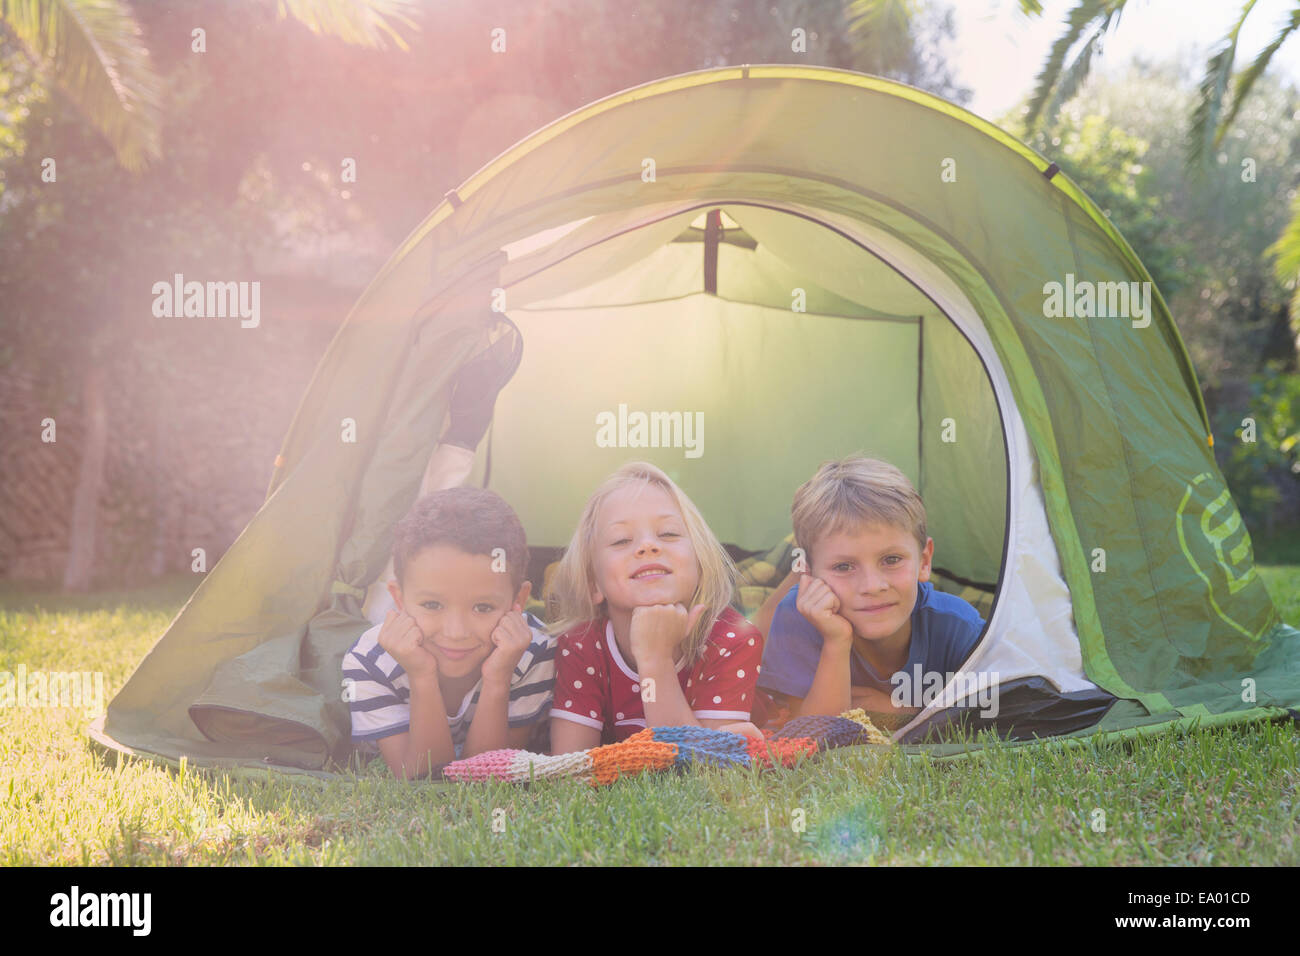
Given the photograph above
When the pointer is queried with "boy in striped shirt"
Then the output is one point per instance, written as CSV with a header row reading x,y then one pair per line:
x,y
456,668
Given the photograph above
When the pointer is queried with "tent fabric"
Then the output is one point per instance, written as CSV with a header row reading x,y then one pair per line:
x,y
1032,632
1028,708
921,238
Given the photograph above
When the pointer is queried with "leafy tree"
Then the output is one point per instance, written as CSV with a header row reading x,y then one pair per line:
x,y
905,40
251,136
1087,24
93,52
1263,472
1204,240
1109,162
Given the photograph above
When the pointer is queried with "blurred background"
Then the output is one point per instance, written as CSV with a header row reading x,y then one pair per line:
x,y
133,148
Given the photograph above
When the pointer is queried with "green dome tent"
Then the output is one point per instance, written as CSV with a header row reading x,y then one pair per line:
x,y
736,274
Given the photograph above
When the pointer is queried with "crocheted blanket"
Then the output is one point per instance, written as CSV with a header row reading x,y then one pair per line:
x,y
660,748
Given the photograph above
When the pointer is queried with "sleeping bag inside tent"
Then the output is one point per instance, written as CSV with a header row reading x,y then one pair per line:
x,y
737,274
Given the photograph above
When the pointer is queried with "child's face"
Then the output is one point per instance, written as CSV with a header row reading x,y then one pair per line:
x,y
641,554
457,600
875,571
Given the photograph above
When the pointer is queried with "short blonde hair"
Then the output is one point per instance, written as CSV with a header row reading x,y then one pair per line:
x,y
570,597
855,491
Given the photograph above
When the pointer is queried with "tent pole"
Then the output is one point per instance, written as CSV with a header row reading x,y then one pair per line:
x,y
712,232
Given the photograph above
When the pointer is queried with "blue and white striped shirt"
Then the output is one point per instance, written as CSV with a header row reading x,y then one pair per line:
x,y
381,691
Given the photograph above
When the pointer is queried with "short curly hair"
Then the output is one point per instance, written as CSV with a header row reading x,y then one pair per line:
x,y
475,520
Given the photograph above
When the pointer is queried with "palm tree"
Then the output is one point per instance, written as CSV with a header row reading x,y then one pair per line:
x,y
93,53
91,50
1088,23
880,30
1086,27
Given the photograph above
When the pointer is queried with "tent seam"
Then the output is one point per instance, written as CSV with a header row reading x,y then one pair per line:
x,y
837,77
1124,447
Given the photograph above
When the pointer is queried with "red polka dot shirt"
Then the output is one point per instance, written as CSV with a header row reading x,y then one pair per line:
x,y
596,687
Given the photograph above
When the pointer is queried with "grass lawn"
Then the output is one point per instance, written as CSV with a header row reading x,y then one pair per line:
x,y
1210,797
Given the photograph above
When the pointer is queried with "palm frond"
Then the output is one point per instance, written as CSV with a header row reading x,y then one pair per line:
x,y
92,51
1031,8
1246,79
879,31
1077,22
1287,248
1209,97
1077,72
1286,263
865,15
367,23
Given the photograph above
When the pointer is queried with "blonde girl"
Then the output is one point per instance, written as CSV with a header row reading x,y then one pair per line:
x,y
647,633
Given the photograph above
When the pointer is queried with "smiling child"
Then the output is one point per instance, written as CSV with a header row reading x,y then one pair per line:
x,y
456,668
648,636
866,610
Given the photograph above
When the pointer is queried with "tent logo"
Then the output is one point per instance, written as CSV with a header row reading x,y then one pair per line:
x,y
1212,527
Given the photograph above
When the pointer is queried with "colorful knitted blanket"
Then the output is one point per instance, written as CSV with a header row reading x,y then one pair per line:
x,y
659,748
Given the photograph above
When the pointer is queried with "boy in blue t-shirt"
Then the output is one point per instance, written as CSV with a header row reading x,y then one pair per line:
x,y
864,628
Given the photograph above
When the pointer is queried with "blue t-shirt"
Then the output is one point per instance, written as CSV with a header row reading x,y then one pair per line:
x,y
945,629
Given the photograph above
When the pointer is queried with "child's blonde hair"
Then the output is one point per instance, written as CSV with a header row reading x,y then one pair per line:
x,y
570,597
855,491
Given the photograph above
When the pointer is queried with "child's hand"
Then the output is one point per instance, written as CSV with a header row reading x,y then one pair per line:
x,y
511,636
402,638
658,629
818,603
